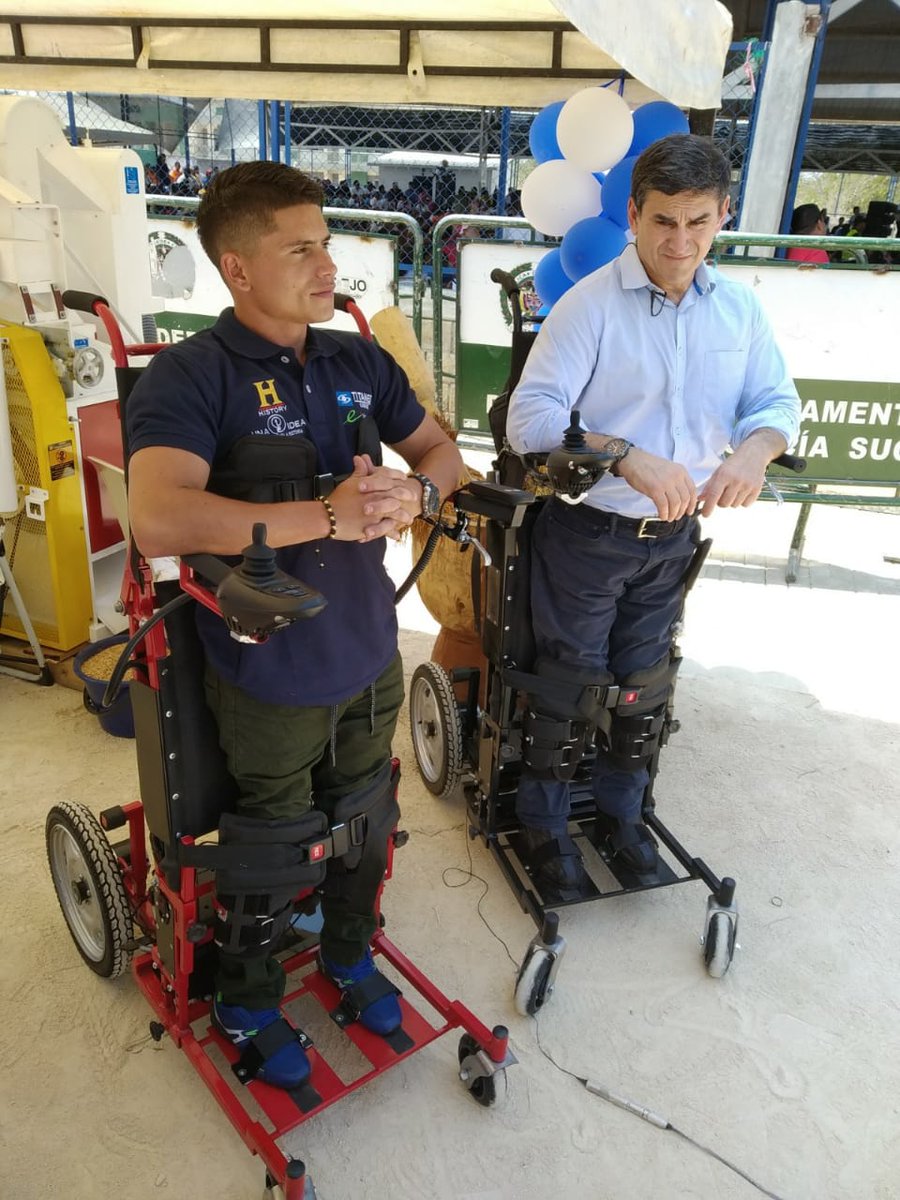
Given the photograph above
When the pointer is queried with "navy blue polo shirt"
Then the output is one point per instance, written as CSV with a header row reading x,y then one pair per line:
x,y
202,395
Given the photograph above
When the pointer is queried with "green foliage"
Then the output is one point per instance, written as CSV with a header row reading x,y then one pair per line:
x,y
838,192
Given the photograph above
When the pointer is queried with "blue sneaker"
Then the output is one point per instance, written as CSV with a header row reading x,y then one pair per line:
x,y
366,995
271,1049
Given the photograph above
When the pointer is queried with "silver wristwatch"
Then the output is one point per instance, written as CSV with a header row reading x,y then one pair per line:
x,y
431,497
616,447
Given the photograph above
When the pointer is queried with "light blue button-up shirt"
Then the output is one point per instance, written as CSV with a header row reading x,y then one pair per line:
x,y
684,384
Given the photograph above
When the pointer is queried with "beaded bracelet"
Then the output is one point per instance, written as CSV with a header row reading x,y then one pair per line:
x,y
332,519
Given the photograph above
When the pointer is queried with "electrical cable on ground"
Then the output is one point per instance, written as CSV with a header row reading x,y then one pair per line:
x,y
470,875
647,1114
597,1089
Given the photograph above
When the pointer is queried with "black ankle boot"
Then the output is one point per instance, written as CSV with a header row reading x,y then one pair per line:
x,y
554,859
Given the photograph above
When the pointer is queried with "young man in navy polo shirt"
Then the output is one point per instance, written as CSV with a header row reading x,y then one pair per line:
x,y
305,719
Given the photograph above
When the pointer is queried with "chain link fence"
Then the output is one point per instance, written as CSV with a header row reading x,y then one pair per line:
x,y
744,68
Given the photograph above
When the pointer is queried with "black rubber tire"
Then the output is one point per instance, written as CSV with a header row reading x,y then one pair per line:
x,y
80,857
483,1089
435,729
531,983
718,946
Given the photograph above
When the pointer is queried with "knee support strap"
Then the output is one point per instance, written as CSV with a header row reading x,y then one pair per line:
x,y
637,725
262,866
565,704
371,813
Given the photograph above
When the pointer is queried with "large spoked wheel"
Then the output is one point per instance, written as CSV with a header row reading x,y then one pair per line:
x,y
435,727
482,1088
532,983
718,945
89,888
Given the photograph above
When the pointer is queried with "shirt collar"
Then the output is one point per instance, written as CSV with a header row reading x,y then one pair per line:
x,y
634,276
237,337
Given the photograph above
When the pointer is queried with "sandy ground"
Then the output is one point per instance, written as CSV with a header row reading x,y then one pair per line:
x,y
784,775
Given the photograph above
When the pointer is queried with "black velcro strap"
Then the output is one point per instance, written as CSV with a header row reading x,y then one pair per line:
x,y
559,847
357,998
264,1044
399,1040
305,1097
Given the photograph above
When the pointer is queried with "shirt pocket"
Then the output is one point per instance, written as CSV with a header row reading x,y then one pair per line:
x,y
723,378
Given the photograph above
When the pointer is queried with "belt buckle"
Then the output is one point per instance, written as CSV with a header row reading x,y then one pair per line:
x,y
642,528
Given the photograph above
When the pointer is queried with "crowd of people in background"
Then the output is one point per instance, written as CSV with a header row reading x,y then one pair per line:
x,y
427,199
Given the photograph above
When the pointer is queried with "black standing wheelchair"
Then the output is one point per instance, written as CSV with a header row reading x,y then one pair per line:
x,y
467,731
148,896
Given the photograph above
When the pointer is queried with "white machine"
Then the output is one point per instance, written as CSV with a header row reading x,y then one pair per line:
x,y
70,217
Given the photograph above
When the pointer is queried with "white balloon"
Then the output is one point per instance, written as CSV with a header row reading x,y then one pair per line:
x,y
557,194
594,128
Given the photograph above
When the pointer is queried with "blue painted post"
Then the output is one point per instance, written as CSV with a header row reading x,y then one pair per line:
x,y
504,167
287,133
261,114
73,128
184,131
751,135
274,139
803,127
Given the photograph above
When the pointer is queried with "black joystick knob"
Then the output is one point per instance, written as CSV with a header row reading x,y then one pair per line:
x,y
258,561
573,438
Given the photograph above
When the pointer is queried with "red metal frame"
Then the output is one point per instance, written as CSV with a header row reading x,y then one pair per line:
x,y
168,992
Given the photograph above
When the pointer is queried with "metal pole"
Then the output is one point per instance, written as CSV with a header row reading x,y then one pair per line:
x,y
287,132
73,128
504,164
274,138
184,131
803,127
261,114
751,133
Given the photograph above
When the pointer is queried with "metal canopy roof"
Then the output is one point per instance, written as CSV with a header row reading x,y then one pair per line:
x,y
486,52
859,78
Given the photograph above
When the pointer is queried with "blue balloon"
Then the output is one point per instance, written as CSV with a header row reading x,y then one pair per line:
x,y
542,134
550,280
616,190
589,245
656,120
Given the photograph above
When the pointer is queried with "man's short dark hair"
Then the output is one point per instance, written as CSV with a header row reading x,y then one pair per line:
x,y
805,218
681,162
239,204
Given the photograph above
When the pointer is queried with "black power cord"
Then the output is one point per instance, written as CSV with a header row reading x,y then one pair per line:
x,y
592,1086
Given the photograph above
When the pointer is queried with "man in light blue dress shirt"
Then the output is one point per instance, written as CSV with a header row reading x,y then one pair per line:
x,y
669,365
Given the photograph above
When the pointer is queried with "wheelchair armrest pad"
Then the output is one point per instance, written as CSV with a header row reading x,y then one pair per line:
x,y
494,500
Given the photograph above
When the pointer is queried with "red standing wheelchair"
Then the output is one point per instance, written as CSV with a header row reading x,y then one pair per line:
x,y
147,898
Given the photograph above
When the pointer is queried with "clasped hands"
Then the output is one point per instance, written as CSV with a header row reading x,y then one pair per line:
x,y
375,502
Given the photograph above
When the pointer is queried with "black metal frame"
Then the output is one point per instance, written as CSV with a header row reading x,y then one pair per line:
x,y
491,735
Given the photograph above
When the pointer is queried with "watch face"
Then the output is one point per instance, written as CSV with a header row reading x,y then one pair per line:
x,y
431,497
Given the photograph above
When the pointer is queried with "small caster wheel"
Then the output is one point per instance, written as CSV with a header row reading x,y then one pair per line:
x,y
482,1088
157,1031
719,943
533,985
296,1171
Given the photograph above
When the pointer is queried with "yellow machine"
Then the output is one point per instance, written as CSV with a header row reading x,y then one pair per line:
x,y
45,539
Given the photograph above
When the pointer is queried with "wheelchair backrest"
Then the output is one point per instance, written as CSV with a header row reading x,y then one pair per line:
x,y
185,784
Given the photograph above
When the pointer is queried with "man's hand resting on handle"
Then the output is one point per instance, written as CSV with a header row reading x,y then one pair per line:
x,y
736,483
741,477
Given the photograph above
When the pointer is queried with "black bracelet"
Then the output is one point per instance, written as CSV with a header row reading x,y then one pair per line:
x,y
332,519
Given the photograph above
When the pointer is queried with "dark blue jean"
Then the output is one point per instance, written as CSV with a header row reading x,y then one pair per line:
x,y
606,601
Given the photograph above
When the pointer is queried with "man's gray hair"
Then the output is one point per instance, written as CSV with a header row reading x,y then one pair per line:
x,y
681,162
